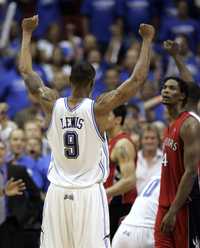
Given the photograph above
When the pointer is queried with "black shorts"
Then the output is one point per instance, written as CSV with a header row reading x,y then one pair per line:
x,y
194,216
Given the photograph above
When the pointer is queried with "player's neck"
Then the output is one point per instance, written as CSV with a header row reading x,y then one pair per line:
x,y
115,131
174,111
78,94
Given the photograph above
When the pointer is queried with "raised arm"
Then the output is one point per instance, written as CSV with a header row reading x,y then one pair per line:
x,y
173,49
34,83
128,89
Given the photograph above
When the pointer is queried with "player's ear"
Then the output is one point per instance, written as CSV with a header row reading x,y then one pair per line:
x,y
183,96
119,120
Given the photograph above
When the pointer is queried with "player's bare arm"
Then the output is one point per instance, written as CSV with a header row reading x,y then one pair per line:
x,y
34,83
124,154
13,188
128,89
173,49
190,136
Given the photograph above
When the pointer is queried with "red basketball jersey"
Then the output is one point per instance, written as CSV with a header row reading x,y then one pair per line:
x,y
173,161
115,174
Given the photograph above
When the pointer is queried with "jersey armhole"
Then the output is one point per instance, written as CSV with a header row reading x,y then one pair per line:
x,y
95,123
51,120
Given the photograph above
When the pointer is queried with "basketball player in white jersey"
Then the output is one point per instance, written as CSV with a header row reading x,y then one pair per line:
x,y
137,229
76,212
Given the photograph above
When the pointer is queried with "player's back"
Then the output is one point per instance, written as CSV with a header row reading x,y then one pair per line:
x,y
79,153
144,209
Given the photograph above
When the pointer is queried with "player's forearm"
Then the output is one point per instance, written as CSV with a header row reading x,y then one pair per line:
x,y
121,187
25,60
141,69
32,80
185,74
140,72
184,189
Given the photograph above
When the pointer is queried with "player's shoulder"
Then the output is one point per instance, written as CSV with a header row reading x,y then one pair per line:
x,y
190,127
191,122
124,142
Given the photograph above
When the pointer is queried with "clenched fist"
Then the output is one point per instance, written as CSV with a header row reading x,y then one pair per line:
x,y
171,47
147,31
30,24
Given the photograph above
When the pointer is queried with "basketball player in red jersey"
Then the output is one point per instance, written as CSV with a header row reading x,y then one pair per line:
x,y
174,49
181,154
120,185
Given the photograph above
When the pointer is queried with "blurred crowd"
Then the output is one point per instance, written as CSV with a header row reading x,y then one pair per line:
x,y
105,33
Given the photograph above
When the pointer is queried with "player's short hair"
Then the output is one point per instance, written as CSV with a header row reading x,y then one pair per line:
x,y
82,74
120,111
193,92
183,86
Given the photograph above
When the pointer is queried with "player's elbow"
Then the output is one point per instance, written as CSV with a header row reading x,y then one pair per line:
x,y
139,79
24,71
24,68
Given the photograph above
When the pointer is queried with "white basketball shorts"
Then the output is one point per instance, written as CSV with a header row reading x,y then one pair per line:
x,y
75,218
128,236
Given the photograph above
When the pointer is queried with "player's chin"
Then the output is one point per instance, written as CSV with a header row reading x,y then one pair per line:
x,y
166,102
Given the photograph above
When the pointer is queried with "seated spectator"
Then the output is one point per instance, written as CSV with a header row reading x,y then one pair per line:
x,y
149,157
55,65
61,83
18,156
20,216
109,82
34,151
6,125
51,39
33,130
115,46
129,63
95,58
89,43
71,44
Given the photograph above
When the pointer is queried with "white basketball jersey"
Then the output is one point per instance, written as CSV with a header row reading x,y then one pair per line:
x,y
79,153
195,116
144,210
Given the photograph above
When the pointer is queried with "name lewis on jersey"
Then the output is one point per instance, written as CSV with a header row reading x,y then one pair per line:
x,y
170,143
71,122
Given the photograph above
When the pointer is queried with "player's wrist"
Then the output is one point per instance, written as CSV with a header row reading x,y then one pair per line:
x,y
173,210
147,40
